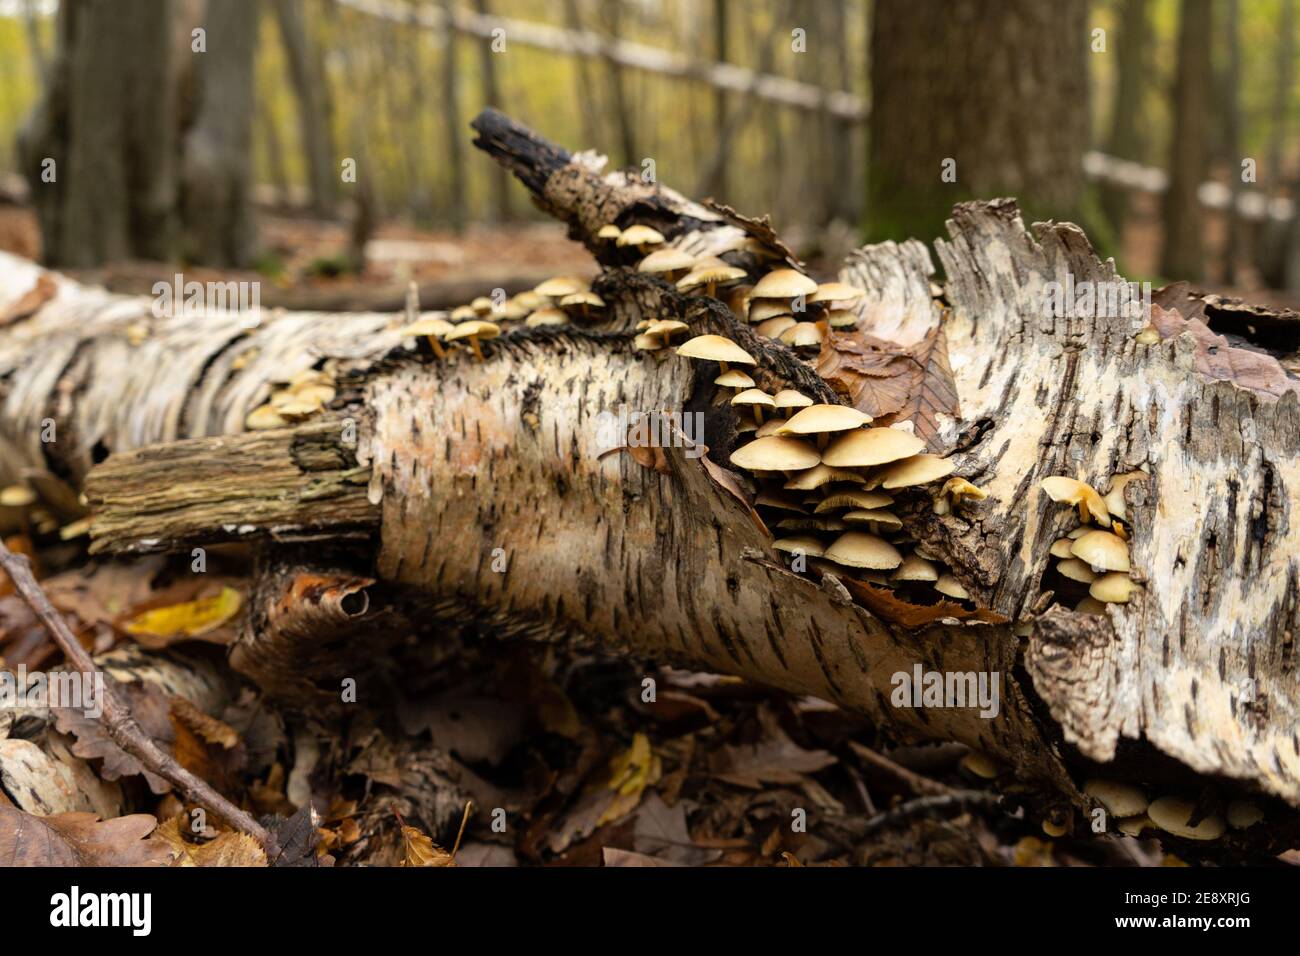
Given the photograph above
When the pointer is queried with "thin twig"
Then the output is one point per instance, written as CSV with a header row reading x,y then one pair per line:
x,y
960,799
115,715
917,783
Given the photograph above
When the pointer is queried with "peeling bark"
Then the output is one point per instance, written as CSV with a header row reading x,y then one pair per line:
x,y
465,457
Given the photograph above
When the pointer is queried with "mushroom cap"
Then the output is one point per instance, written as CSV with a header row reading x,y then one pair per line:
x,y
771,500
915,568
820,419
836,292
950,586
734,378
873,516
1072,491
746,425
586,297
802,335
980,764
264,417
789,398
1113,588
1115,497
857,549
917,470
670,259
463,313
609,231
961,488
841,319
1090,605
1172,814
866,447
17,496
801,542
531,299
1061,548
807,523
1076,570
784,284
547,316
1242,814
717,275
665,327
511,309
768,427
1102,551
775,453
853,498
561,286
822,475
1119,799
772,328
760,310
639,235
715,348
753,396
648,343
475,328
482,305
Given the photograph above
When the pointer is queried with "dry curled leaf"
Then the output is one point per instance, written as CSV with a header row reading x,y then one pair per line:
x,y
1218,359
230,848
79,839
418,849
165,625
889,607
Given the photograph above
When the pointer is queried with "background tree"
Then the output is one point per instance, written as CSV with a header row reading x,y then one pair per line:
x,y
999,88
1125,140
1183,254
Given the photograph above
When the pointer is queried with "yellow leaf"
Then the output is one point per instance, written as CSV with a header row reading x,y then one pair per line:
x,y
629,774
418,849
230,848
189,619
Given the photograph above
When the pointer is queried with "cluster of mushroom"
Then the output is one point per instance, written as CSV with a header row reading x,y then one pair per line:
x,y
296,400
24,508
1175,815
1095,553
787,305
826,478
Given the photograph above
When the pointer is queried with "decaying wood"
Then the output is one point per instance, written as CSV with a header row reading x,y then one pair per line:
x,y
1191,686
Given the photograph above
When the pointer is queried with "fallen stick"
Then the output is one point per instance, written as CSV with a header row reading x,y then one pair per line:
x,y
116,715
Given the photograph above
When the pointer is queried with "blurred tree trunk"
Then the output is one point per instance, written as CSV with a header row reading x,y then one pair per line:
x,y
493,98
451,126
1000,88
1232,155
718,187
1183,255
1125,140
314,108
586,103
1283,80
216,170
626,122
107,121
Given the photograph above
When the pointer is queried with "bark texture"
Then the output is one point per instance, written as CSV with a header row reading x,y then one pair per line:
x,y
1190,686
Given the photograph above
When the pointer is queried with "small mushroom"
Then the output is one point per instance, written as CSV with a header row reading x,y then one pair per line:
x,y
671,263
952,493
609,232
584,303
1149,335
1173,815
980,764
715,348
775,453
949,585
802,335
1119,799
821,476
841,319
431,329
756,398
760,310
1102,551
1090,605
1075,492
648,343
877,519
482,305
734,378
1113,588
824,419
784,284
17,496
1054,829
787,400
474,331
710,277
1115,497
853,498
806,544
769,499
1133,826
463,313
916,568
665,329
1242,814
264,417
773,328
1062,548
865,448
916,470
640,236
559,287
857,549
836,292
1076,570
547,316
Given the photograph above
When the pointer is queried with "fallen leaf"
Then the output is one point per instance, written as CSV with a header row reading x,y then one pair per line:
x,y
726,480
933,392
79,839
418,849
630,772
777,759
230,848
210,729
887,606
31,301
1218,359
660,831
616,857
165,625
151,709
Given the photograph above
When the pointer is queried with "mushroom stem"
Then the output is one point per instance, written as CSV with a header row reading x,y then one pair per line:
x,y
758,414
725,370
473,343
709,288
436,346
